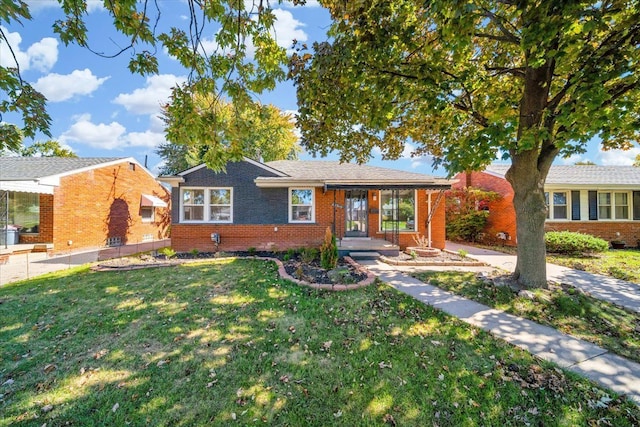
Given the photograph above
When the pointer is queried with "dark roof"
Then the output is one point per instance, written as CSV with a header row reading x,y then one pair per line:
x,y
584,174
31,168
333,173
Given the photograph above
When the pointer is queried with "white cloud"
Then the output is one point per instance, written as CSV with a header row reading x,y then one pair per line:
x,y
112,136
287,28
104,136
617,157
41,55
148,139
59,87
149,100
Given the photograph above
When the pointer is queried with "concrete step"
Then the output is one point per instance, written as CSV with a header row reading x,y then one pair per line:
x,y
364,255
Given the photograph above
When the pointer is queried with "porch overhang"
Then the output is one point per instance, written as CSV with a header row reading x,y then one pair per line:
x,y
27,186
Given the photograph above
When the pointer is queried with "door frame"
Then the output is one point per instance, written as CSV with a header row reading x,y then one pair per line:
x,y
356,203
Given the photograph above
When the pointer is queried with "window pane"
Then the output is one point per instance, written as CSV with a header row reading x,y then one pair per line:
x,y
301,213
560,212
604,212
301,197
622,212
621,199
220,213
559,198
24,211
194,213
398,210
604,198
220,197
193,197
146,212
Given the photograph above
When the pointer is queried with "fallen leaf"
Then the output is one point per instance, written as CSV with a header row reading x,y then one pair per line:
x,y
47,408
337,414
49,368
115,407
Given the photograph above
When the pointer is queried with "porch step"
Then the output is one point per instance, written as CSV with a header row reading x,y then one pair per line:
x,y
364,255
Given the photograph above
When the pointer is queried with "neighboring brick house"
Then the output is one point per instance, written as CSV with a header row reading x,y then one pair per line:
x,y
289,204
67,205
603,201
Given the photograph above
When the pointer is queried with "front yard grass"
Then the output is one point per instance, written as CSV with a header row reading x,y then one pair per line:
x,y
230,343
566,309
622,264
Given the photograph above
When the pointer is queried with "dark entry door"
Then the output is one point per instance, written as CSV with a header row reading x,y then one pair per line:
x,y
356,213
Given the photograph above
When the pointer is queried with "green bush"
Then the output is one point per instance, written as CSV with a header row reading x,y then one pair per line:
x,y
466,226
568,242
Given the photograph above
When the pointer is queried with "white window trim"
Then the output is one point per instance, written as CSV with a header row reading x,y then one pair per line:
x,y
313,205
415,213
206,206
613,205
551,205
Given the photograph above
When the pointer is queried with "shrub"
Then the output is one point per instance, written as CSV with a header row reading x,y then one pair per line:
x,y
329,251
467,226
167,252
308,255
572,243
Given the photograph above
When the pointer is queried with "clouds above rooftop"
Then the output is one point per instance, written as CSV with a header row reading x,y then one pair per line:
x,y
62,87
150,98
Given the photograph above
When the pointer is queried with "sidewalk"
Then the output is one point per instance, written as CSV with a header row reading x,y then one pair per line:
x,y
609,370
620,292
29,265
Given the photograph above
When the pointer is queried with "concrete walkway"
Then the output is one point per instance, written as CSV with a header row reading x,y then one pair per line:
x,y
606,288
29,265
584,358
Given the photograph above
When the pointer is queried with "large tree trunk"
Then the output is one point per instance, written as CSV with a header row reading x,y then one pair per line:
x,y
531,211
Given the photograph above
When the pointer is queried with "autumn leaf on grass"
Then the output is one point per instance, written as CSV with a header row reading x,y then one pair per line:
x,y
100,354
327,345
383,365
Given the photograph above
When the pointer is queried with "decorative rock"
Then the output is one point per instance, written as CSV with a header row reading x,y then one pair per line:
x,y
527,294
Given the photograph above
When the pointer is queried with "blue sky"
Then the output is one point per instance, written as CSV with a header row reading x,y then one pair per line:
x,y
100,109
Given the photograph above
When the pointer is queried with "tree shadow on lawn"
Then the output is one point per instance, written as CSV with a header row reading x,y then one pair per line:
x,y
214,343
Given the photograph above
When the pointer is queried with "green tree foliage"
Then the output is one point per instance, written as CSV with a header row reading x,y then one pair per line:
x,y
466,212
469,81
48,148
208,130
229,68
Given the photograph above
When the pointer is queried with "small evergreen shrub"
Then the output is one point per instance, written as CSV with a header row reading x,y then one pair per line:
x,y
329,251
572,243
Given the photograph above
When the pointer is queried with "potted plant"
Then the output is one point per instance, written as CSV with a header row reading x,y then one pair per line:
x,y
617,243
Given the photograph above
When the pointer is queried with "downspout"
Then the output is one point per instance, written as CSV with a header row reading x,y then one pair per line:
x,y
429,223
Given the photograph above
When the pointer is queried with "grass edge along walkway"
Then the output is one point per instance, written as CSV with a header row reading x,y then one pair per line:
x,y
609,370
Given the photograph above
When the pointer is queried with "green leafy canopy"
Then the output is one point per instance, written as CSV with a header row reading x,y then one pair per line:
x,y
228,68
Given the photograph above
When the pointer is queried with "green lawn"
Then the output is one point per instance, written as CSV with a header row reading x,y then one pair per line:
x,y
620,263
569,311
232,343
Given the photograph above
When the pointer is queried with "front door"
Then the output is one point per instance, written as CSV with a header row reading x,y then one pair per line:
x,y
355,208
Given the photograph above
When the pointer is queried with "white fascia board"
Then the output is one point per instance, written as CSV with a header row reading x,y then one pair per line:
x,y
173,181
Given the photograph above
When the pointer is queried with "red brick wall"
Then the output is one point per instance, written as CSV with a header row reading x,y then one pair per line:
x,y
502,215
186,237
89,207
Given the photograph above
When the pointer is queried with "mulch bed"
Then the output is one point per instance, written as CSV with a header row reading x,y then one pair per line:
x,y
302,272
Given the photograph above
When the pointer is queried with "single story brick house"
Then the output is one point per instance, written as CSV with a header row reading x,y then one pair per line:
x,y
66,205
290,203
603,201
